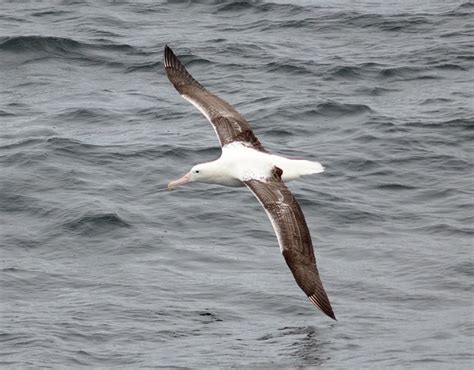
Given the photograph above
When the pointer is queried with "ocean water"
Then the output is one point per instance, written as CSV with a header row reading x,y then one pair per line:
x,y
101,266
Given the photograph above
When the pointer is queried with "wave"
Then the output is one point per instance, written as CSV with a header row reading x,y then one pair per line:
x,y
86,115
405,73
106,153
327,19
326,109
354,71
257,7
376,71
374,91
388,23
444,228
332,108
97,223
395,187
36,43
4,113
47,13
52,46
23,143
460,123
287,67
464,9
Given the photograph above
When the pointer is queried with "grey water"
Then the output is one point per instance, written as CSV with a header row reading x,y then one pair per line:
x,y
101,266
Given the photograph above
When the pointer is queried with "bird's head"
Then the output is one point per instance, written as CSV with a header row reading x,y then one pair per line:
x,y
200,173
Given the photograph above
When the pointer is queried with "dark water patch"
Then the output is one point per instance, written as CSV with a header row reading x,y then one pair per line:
x,y
89,115
385,124
449,162
242,48
209,317
97,223
459,123
32,84
450,67
464,268
68,144
441,54
100,34
335,109
325,19
38,43
290,68
78,150
279,132
453,34
11,18
367,138
47,13
113,153
396,187
29,132
358,165
22,144
464,9
445,229
354,71
235,6
375,91
405,73
430,101
326,109
310,24
257,7
344,72
24,242
24,158
189,152
145,66
386,23
111,20
4,113
59,47
15,201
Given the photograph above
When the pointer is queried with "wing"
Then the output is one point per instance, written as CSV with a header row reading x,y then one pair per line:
x,y
227,122
293,236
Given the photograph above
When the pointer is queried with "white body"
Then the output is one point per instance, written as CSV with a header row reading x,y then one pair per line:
x,y
238,163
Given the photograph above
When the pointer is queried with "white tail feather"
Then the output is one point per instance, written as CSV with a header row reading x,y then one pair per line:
x,y
294,168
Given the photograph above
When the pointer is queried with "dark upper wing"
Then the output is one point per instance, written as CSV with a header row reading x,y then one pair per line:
x,y
293,236
227,122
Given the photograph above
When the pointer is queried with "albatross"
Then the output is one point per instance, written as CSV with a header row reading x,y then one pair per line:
x,y
245,162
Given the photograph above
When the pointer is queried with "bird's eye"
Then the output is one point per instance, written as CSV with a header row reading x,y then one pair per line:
x,y
197,171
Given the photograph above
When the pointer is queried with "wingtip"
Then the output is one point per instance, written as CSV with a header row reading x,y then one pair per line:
x,y
170,59
323,305
329,312
168,56
177,73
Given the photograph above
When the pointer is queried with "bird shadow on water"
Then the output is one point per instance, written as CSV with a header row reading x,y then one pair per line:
x,y
303,345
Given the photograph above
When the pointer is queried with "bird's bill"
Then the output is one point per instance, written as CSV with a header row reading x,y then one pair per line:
x,y
183,180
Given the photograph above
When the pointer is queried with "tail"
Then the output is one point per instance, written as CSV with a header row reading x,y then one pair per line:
x,y
294,168
308,167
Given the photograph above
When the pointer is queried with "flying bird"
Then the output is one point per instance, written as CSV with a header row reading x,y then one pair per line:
x,y
245,162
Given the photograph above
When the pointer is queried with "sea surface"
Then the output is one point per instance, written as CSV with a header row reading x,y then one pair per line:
x,y
101,266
